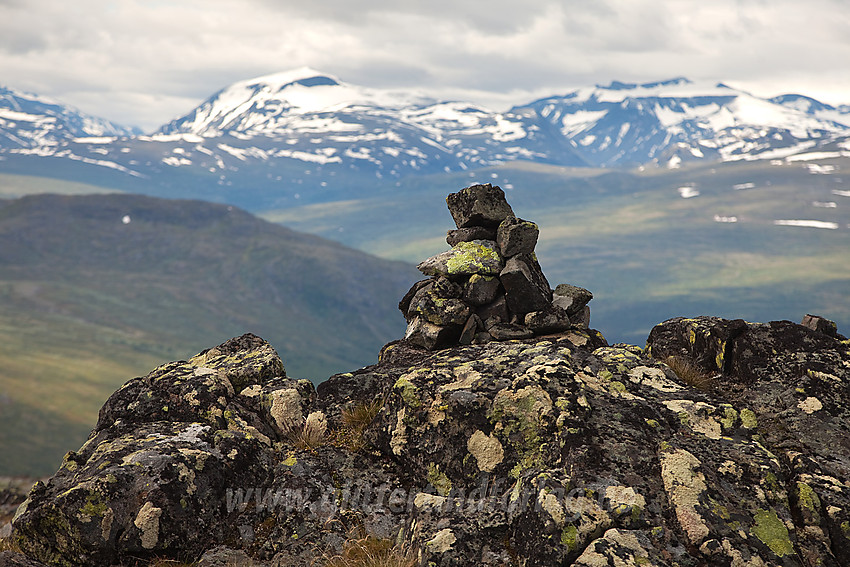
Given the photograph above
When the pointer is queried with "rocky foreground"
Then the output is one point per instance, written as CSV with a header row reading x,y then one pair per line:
x,y
720,443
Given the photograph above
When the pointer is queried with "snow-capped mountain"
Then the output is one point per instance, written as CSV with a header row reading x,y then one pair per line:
x,y
315,117
671,121
307,134
30,121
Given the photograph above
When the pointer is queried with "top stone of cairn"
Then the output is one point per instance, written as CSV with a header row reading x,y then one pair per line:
x,y
479,205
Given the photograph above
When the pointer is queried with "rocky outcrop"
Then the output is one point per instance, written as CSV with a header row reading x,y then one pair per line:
x,y
489,286
559,450
722,442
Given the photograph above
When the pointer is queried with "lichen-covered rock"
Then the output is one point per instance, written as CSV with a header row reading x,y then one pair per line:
x,y
439,310
423,333
822,325
706,341
550,320
556,450
152,476
479,205
516,236
499,281
465,259
481,290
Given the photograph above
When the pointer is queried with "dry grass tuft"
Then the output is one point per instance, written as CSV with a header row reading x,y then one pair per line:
x,y
310,433
355,420
688,373
370,551
9,544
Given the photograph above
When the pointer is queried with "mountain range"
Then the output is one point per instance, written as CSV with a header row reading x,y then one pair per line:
x,y
305,136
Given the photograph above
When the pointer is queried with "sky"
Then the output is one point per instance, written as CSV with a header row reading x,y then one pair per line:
x,y
146,62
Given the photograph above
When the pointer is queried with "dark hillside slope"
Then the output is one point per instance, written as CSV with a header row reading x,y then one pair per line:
x,y
95,287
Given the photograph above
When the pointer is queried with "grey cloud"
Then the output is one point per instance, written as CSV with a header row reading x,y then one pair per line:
x,y
497,17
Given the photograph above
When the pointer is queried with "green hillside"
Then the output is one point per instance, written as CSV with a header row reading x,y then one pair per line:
x,y
98,289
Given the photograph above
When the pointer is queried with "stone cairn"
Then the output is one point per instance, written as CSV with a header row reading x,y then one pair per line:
x,y
489,286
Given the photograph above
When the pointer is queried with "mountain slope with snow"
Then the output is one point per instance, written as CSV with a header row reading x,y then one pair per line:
x,y
671,121
29,121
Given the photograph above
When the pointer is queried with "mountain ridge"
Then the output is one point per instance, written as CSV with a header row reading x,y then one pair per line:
x,y
307,133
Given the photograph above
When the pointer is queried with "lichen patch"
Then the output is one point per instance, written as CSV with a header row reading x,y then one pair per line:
x,y
147,521
486,449
810,405
286,408
442,541
684,484
699,416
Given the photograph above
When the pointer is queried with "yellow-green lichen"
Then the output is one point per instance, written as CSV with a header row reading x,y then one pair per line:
x,y
730,416
408,391
439,480
290,461
808,500
721,347
522,412
569,537
94,505
616,355
771,482
748,419
473,258
772,532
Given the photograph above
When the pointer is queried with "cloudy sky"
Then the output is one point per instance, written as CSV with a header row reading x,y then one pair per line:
x,y
145,62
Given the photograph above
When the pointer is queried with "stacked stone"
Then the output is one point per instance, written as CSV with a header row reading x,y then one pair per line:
x,y
489,286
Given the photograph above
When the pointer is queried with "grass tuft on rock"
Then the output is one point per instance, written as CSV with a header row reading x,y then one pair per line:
x,y
369,551
309,434
355,420
688,373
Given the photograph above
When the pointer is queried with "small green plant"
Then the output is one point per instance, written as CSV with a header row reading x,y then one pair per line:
x,y
369,551
355,420
688,373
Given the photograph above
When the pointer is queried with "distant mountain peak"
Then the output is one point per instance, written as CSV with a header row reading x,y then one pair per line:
x,y
621,86
302,76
